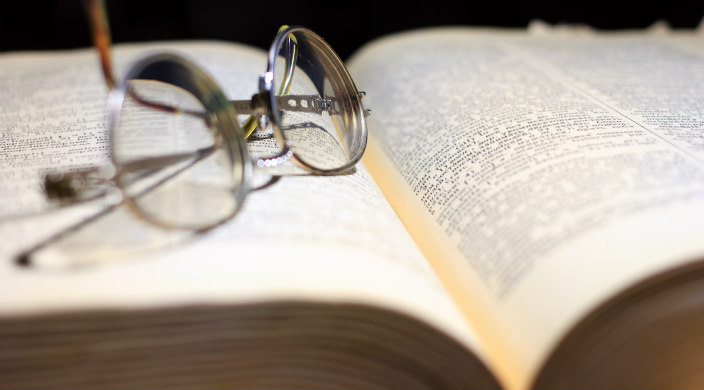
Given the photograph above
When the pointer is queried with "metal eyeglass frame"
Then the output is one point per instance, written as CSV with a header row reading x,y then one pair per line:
x,y
88,184
262,103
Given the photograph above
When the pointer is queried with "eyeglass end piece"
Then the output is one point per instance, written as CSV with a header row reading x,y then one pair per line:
x,y
23,260
367,112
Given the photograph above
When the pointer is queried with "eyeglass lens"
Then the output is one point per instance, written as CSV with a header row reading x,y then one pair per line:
x,y
316,102
176,165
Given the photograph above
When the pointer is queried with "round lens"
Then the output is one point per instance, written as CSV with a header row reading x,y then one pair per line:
x,y
175,145
315,102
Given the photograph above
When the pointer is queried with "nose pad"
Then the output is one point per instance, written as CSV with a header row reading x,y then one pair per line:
x,y
263,122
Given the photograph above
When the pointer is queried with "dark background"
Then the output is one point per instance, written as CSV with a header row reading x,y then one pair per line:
x,y
346,25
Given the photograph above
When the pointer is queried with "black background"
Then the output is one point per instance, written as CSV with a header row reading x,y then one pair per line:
x,y
346,25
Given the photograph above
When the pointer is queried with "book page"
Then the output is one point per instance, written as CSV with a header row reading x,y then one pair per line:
x,y
311,238
540,174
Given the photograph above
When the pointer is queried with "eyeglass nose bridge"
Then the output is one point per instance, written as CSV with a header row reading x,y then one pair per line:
x,y
259,106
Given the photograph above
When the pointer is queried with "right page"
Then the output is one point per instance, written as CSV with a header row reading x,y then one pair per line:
x,y
541,174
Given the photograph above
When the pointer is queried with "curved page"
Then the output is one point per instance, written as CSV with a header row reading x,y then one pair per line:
x,y
307,238
539,174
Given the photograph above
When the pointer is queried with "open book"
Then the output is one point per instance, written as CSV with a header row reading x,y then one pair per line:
x,y
529,213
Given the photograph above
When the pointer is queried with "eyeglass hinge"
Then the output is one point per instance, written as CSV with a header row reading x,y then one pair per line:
x,y
69,187
322,104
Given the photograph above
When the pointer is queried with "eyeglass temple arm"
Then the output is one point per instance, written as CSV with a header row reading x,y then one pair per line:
x,y
65,190
298,103
100,32
91,183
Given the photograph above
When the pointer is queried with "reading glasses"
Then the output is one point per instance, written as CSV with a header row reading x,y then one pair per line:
x,y
180,158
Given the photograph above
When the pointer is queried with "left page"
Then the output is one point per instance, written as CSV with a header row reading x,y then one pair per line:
x,y
320,239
